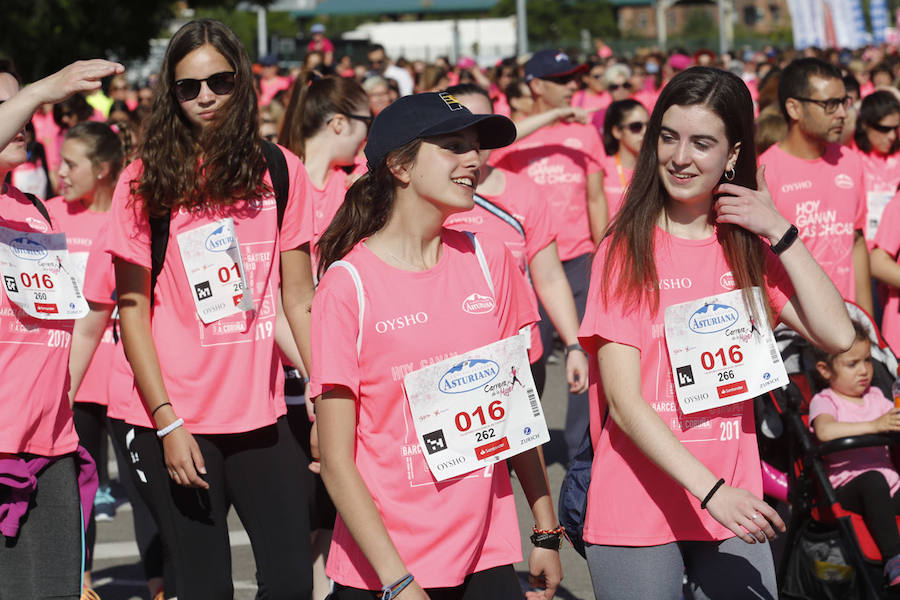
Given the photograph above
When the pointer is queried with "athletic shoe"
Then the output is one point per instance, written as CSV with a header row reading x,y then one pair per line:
x,y
892,571
104,504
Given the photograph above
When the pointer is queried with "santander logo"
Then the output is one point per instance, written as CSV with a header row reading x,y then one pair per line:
x,y
476,304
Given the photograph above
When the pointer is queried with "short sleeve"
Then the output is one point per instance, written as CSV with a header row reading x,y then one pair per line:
x,y
99,275
297,225
888,235
821,404
516,309
608,319
859,221
128,235
334,332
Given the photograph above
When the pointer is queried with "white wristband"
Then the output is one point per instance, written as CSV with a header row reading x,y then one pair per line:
x,y
170,428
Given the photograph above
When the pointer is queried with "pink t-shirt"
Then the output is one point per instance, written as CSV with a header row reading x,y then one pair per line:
x,y
590,101
323,45
34,416
888,239
443,531
845,466
631,501
100,288
221,377
519,199
269,87
881,174
558,159
82,227
825,199
326,201
615,180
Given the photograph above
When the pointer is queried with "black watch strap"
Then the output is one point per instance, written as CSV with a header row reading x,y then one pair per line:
x,y
550,541
786,240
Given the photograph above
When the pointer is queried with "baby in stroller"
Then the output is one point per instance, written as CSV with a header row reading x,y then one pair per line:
x,y
864,479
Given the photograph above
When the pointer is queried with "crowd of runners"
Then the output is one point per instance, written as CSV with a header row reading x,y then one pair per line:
x,y
326,298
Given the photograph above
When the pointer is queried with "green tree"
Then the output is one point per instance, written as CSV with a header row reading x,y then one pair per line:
x,y
561,21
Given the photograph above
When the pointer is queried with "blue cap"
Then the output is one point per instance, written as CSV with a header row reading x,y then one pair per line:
x,y
317,28
551,63
269,60
430,114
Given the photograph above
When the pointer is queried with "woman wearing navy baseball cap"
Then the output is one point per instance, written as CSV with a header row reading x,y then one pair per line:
x,y
402,529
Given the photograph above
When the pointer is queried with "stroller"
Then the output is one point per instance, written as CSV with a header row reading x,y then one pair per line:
x,y
829,552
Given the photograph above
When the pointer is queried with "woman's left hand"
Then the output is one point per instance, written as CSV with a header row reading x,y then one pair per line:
x,y
577,371
753,210
545,573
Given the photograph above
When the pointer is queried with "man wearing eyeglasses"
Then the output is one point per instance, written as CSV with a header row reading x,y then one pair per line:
x,y
565,161
818,183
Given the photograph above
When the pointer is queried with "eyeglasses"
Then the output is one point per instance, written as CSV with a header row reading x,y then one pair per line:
x,y
635,127
614,86
364,118
220,84
830,105
884,128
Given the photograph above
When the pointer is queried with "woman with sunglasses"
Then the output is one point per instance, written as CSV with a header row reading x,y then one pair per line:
x,y
400,530
623,132
200,338
593,96
876,138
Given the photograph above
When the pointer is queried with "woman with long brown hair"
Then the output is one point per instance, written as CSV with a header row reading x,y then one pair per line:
x,y
676,484
199,244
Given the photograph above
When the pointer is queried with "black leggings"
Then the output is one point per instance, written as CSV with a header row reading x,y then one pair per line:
x,y
264,474
91,427
498,583
869,495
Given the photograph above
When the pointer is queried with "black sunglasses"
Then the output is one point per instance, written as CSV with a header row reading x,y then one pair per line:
x,y
884,128
614,86
364,118
561,79
220,84
635,127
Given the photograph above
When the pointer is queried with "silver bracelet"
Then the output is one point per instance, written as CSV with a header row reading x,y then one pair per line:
x,y
169,428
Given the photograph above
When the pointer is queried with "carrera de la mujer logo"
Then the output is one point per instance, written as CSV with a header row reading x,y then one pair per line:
x,y
28,249
219,240
713,317
468,375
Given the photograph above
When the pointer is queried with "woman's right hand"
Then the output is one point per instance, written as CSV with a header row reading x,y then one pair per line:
x,y
747,516
184,461
413,592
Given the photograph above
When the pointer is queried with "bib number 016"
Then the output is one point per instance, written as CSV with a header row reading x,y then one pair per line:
x,y
709,359
495,412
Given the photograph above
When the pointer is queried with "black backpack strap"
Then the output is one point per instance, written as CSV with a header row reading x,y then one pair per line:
x,y
159,225
159,241
40,207
278,171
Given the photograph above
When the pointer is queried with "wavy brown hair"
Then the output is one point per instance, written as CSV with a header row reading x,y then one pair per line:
x,y
366,207
230,151
631,267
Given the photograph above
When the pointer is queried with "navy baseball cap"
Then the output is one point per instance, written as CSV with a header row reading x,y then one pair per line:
x,y
429,114
548,64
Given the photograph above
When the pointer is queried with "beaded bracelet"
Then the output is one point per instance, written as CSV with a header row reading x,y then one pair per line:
x,y
390,591
558,531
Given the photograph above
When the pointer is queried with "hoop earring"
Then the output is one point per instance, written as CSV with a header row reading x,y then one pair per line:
x,y
731,176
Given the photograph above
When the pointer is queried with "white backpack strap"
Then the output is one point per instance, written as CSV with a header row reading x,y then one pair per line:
x,y
481,260
360,297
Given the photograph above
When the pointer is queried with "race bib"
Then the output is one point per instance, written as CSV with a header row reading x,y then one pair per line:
x,y
38,275
719,353
215,270
875,203
476,408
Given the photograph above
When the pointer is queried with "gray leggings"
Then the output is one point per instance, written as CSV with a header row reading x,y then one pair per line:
x,y
730,569
44,561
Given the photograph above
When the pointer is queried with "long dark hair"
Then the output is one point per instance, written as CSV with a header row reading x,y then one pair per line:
x,y
631,267
231,151
312,103
874,108
366,207
615,114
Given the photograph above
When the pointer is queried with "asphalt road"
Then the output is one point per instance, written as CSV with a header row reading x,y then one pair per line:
x,y
117,570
